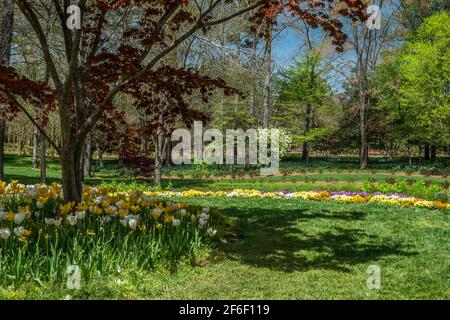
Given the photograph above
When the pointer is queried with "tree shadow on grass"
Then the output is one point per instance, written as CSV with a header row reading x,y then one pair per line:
x,y
274,239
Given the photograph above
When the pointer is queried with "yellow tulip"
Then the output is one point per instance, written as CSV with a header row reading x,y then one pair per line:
x,y
65,208
10,216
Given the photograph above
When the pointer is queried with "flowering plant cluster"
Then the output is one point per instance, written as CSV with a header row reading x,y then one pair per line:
x,y
342,196
40,235
39,207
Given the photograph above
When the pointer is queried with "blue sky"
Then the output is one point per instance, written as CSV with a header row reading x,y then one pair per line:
x,y
286,46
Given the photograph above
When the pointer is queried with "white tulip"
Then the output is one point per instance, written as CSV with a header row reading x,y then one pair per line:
x,y
2,215
5,233
39,205
106,219
18,218
72,219
201,223
183,212
80,214
58,222
211,232
18,231
176,222
132,223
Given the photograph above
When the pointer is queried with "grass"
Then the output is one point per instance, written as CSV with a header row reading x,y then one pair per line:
x,y
294,249
285,249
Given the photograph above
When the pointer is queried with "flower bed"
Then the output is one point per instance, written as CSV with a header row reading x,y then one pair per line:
x,y
342,196
40,236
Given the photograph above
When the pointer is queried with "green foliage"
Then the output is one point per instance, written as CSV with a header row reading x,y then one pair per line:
x,y
303,99
418,188
414,83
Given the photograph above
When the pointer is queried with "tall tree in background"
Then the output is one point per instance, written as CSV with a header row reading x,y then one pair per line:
x,y
414,12
6,32
366,44
267,77
414,84
99,66
302,96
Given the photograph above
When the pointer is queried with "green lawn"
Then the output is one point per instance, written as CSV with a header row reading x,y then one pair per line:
x,y
285,249
294,249
314,179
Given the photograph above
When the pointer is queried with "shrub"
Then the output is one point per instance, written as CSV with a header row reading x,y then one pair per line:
x,y
137,161
418,188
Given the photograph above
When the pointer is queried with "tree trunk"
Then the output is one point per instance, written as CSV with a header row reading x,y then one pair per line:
x,y
168,154
364,148
426,152
433,153
43,161
88,157
254,71
71,177
158,162
267,74
305,152
35,148
6,32
2,144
